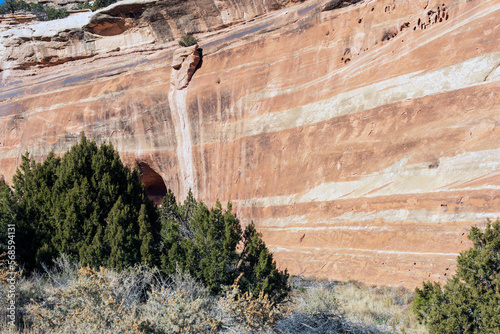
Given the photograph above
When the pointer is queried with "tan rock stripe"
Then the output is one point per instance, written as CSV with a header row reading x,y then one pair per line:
x,y
410,86
367,63
350,148
372,268
401,179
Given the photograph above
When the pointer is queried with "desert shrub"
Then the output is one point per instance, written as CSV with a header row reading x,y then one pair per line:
x,y
62,272
349,307
181,304
135,300
177,313
204,242
318,310
379,307
188,40
96,302
470,300
318,300
140,300
102,3
86,204
84,5
56,13
244,311
12,6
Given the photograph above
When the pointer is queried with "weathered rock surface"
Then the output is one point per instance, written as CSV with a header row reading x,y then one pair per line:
x,y
361,139
184,64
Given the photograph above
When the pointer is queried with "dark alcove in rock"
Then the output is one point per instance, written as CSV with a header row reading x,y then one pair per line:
x,y
153,182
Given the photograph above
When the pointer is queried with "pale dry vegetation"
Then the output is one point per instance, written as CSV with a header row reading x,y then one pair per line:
x,y
367,309
72,299
389,309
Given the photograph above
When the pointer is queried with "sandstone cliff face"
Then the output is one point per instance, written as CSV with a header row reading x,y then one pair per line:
x,y
361,139
129,24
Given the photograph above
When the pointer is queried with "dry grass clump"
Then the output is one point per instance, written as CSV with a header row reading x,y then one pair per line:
x,y
318,310
386,308
188,40
319,299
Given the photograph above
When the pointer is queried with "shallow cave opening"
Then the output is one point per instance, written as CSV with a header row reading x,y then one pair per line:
x,y
153,182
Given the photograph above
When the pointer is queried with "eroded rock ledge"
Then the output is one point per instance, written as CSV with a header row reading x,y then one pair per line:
x,y
123,25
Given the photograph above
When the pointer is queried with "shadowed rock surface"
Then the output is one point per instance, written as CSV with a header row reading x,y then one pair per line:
x,y
360,138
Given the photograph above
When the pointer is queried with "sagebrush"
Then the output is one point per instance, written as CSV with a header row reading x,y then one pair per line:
x,y
188,40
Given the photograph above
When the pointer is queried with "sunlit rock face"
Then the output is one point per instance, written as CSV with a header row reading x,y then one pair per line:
x,y
360,138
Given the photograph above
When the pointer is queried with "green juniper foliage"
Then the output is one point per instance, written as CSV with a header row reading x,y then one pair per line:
x,y
86,204
89,206
56,13
12,6
470,301
204,242
43,13
84,5
102,3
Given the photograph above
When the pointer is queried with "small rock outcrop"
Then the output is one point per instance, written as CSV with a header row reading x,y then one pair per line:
x,y
184,65
126,26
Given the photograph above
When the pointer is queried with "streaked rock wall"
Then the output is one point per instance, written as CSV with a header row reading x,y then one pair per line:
x,y
362,140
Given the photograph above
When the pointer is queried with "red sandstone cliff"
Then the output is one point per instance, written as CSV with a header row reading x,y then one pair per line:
x,y
361,139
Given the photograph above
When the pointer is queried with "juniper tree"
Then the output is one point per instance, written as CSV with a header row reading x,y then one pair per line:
x,y
205,243
85,204
258,266
470,301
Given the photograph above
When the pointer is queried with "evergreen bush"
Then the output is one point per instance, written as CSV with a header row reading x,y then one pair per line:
x,y
43,13
469,301
89,206
84,5
56,13
13,6
101,4
205,243
85,204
